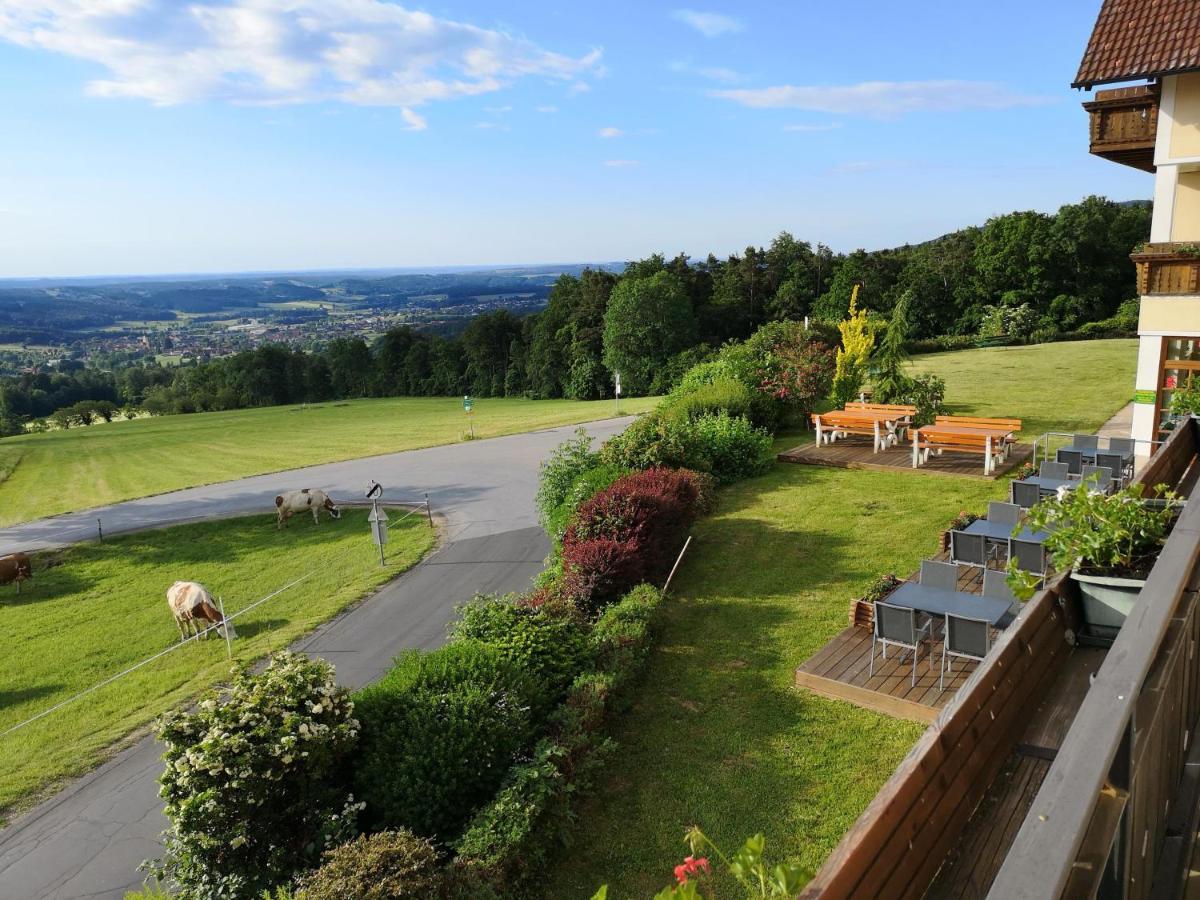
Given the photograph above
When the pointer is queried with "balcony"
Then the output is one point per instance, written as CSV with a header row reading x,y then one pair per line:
x,y
1124,122
1168,269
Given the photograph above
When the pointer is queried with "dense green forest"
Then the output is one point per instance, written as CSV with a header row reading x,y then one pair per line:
x,y
1025,276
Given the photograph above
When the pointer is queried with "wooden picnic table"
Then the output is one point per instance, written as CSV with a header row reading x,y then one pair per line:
x,y
857,421
988,438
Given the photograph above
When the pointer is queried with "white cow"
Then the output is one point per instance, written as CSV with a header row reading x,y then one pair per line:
x,y
194,610
287,505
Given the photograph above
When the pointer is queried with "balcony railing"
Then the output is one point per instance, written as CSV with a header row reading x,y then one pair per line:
x,y
1124,123
1168,268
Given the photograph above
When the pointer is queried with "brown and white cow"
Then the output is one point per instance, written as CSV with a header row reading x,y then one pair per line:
x,y
293,502
15,567
194,610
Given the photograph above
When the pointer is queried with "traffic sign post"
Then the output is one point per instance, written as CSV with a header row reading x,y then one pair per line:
x,y
379,528
617,392
469,409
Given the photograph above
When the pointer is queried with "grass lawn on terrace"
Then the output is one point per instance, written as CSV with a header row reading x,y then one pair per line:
x,y
100,608
61,471
719,737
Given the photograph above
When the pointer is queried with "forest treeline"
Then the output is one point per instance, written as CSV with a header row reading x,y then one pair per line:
x,y
1022,276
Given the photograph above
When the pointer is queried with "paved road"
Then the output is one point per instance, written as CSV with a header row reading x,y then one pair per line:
x,y
88,840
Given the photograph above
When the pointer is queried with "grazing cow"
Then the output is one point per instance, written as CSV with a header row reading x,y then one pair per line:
x,y
287,505
15,567
194,610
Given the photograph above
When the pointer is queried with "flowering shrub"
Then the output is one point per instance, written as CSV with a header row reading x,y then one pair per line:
x,y
627,533
747,866
255,787
390,865
438,734
551,648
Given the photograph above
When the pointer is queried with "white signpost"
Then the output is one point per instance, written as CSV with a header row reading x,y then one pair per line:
x,y
378,519
617,392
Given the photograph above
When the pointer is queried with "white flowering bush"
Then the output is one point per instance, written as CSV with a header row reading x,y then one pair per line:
x,y
256,787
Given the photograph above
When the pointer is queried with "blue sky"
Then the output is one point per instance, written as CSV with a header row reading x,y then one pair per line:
x,y
143,136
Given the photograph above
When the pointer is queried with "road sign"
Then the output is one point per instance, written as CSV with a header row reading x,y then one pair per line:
x,y
375,491
617,377
468,403
379,532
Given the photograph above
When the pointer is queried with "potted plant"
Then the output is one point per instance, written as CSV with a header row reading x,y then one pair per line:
x,y
1108,542
958,523
1185,401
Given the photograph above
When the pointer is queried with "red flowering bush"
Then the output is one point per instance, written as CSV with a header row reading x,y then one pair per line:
x,y
628,533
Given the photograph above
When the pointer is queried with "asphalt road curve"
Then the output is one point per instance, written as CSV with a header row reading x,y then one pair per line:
x,y
88,840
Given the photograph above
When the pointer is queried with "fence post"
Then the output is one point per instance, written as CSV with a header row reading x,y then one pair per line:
x,y
100,531
678,560
225,627
428,511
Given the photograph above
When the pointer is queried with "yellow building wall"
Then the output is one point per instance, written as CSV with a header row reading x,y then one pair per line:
x,y
1170,315
1185,222
1185,133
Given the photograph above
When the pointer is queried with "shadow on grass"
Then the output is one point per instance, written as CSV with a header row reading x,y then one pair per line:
x,y
14,697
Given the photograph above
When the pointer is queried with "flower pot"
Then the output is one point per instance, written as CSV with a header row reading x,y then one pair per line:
x,y
1107,600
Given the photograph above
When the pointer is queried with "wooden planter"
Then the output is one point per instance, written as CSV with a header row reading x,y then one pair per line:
x,y
1166,269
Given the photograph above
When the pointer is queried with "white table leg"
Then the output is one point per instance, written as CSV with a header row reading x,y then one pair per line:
x,y
916,435
987,455
817,420
878,443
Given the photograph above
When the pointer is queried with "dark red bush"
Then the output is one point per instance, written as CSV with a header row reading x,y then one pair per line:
x,y
628,533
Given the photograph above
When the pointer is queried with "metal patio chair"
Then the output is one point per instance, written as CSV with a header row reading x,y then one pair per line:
x,y
1025,495
1073,460
1115,463
939,575
1101,475
1004,513
1056,470
897,625
965,550
1085,441
964,638
1030,555
1124,446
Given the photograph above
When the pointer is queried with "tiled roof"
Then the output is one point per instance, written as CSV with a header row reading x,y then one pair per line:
x,y
1136,39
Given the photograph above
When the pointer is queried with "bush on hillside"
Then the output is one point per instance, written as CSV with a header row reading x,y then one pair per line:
x,y
552,649
256,787
728,447
583,488
390,865
628,533
925,392
721,395
438,733
567,462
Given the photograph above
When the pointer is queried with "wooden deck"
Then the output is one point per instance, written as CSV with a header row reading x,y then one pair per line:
x,y
972,864
842,669
855,453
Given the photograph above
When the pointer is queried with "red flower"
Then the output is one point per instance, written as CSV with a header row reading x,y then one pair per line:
x,y
691,866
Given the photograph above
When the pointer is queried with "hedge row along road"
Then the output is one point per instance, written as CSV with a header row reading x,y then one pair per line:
x,y
88,840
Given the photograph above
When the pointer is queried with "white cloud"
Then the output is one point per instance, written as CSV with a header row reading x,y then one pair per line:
x,y
363,52
415,121
610,132
547,109
579,87
712,73
621,163
498,110
709,24
492,126
884,99
824,126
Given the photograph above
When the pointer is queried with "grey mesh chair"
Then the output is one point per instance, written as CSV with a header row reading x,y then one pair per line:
x,y
1085,441
1124,446
1115,463
1056,470
1024,494
1004,513
1100,476
964,638
965,550
897,625
1030,555
995,585
939,575
1073,460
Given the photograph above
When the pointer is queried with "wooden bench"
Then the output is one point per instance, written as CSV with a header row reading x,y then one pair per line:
x,y
841,423
904,413
991,438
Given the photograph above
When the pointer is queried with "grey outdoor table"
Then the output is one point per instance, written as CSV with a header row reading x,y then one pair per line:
x,y
939,601
998,531
1051,485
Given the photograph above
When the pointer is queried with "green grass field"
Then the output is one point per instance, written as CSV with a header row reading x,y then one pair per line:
x,y
95,609
60,471
1073,386
719,736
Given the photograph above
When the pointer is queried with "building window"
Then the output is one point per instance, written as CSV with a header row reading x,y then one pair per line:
x,y
1180,368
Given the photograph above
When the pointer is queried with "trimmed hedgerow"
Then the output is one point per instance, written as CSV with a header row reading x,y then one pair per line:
x,y
438,734
390,865
729,447
550,648
722,395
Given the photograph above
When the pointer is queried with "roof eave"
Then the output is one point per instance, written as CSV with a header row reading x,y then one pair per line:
x,y
1146,76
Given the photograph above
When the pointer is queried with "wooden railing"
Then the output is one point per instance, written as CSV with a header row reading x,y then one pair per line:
x,y
1124,125
1169,268
1099,824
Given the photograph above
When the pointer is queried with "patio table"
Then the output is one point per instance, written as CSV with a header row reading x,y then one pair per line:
x,y
939,602
998,531
1089,453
